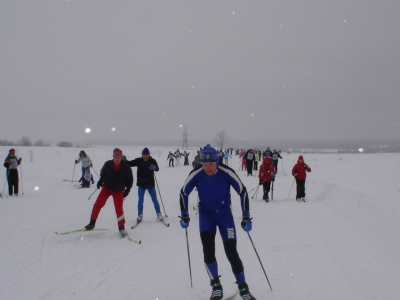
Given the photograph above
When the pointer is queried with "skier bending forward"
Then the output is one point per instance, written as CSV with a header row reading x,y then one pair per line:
x,y
213,184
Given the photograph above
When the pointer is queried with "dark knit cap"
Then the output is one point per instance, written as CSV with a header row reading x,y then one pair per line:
x,y
146,151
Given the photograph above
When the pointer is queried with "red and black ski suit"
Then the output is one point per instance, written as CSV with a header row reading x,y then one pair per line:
x,y
299,171
116,181
266,174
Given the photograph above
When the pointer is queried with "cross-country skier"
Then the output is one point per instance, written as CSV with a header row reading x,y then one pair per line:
x,y
85,160
226,157
171,158
116,180
275,155
11,163
249,157
299,172
146,166
256,159
213,183
267,152
177,155
266,174
186,157
86,179
196,162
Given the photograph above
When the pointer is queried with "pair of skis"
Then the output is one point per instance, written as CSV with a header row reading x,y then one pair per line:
x,y
138,223
85,230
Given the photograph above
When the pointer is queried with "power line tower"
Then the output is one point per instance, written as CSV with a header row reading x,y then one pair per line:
x,y
185,140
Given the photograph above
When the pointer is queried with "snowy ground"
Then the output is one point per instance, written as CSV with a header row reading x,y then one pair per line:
x,y
343,243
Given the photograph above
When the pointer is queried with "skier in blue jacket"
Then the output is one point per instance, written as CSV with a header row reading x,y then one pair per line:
x,y
213,182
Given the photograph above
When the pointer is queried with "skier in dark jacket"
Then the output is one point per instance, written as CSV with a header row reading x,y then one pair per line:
x,y
116,180
213,184
11,163
274,157
196,162
146,166
249,157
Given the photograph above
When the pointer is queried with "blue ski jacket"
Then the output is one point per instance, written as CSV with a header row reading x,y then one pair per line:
x,y
214,191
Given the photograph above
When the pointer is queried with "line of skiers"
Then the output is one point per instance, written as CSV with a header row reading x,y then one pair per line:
x,y
210,177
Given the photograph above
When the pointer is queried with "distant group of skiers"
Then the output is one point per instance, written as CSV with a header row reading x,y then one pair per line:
x,y
176,156
211,176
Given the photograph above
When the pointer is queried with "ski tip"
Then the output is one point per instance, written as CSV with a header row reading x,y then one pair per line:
x,y
167,224
140,241
56,232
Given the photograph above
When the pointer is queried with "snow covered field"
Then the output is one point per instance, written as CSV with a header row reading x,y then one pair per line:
x,y
343,243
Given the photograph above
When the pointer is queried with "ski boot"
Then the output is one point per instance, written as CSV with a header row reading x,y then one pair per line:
x,y
122,231
160,217
139,218
91,225
217,292
245,293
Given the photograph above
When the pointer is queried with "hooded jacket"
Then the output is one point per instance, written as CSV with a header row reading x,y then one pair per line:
x,y
300,169
267,170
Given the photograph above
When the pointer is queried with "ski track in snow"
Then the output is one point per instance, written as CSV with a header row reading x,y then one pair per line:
x,y
343,243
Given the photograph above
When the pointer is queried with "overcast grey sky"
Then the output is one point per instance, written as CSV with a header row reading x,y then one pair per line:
x,y
311,69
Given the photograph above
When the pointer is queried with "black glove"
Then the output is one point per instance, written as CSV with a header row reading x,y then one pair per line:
x,y
98,185
76,161
261,182
306,167
126,193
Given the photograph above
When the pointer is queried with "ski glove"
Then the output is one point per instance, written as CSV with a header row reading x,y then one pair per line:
x,y
152,167
76,161
126,193
260,183
246,223
98,185
185,221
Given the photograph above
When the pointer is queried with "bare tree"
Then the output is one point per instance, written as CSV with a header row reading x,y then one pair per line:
x,y
220,139
24,141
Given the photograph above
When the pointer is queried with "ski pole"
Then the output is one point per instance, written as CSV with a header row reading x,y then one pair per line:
x,y
90,197
4,188
256,192
160,195
252,189
272,191
294,178
259,260
190,267
95,172
73,173
22,181
283,170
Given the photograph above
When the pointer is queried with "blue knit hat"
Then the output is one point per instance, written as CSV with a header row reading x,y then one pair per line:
x,y
209,154
12,150
146,151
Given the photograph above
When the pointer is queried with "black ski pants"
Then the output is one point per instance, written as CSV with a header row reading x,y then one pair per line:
x,y
208,241
300,188
249,164
13,182
266,188
171,161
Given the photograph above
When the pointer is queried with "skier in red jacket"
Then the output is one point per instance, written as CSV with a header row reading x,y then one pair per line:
x,y
299,172
266,174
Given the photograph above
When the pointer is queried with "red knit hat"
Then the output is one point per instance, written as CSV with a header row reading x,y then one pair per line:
x,y
117,152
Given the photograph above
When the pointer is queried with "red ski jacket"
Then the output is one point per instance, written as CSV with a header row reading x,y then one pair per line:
x,y
300,169
267,170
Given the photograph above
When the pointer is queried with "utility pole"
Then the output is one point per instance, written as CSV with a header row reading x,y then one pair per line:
x,y
185,140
